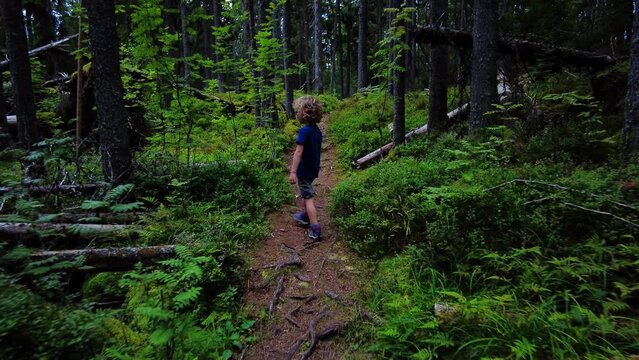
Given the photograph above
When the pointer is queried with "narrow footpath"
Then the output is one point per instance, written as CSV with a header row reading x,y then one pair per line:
x,y
302,291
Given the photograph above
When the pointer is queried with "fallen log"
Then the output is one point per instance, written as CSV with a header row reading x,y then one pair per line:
x,y
80,218
29,233
111,259
50,189
521,48
4,65
369,158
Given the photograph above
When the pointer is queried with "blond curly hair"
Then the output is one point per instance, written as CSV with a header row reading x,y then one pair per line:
x,y
308,110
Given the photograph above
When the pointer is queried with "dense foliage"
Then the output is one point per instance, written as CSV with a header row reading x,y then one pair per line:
x,y
514,243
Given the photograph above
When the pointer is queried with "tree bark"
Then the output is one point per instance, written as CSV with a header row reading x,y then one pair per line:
x,y
484,62
362,46
111,259
288,77
4,126
207,42
631,124
108,90
523,49
399,92
318,64
79,96
16,42
43,17
438,94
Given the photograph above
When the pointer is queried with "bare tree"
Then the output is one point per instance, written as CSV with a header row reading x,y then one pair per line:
x,y
108,90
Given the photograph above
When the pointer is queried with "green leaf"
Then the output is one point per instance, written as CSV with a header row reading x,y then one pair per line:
x,y
161,336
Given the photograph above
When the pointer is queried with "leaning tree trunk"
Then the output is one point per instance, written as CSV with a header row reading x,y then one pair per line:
x,y
108,90
399,92
288,78
438,94
631,125
318,73
362,46
20,67
484,62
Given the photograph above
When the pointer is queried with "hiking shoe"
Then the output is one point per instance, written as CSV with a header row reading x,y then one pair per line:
x,y
315,233
301,219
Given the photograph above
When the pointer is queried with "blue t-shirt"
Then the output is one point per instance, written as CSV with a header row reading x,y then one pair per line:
x,y
311,137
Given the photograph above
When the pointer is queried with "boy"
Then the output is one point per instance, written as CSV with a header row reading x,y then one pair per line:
x,y
306,161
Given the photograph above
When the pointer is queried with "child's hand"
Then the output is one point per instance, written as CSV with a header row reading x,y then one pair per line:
x,y
292,178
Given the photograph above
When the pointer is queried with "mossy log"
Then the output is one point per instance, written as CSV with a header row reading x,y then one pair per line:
x,y
51,189
111,259
29,234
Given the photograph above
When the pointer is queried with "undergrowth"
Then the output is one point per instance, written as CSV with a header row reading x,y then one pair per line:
x,y
519,243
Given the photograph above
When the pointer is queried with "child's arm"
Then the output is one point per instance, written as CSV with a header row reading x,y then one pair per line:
x,y
297,157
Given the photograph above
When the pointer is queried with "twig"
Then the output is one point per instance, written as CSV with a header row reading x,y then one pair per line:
x,y
599,212
276,296
338,298
292,321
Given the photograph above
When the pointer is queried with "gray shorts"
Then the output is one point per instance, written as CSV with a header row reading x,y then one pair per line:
x,y
306,188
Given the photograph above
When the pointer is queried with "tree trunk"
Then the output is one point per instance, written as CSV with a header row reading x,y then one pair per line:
x,y
288,77
484,62
303,9
207,42
249,6
43,17
79,96
108,90
217,23
438,84
631,124
16,42
399,92
338,45
185,40
4,126
362,46
55,189
349,57
4,65
318,65
111,259
411,53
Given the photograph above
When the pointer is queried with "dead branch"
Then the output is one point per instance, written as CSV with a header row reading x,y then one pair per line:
x,y
523,49
4,65
599,212
111,259
276,296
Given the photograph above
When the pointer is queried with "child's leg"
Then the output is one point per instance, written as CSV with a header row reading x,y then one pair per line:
x,y
309,204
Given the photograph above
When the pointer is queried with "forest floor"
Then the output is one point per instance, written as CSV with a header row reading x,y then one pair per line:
x,y
311,283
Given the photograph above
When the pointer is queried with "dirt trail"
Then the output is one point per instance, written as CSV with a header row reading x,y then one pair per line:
x,y
315,282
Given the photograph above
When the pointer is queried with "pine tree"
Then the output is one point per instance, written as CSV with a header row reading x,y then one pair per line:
x,y
318,61
362,46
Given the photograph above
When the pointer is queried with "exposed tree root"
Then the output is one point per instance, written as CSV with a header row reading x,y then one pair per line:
x,y
302,277
276,296
312,332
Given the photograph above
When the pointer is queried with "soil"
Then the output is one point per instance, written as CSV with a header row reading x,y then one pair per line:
x,y
326,268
